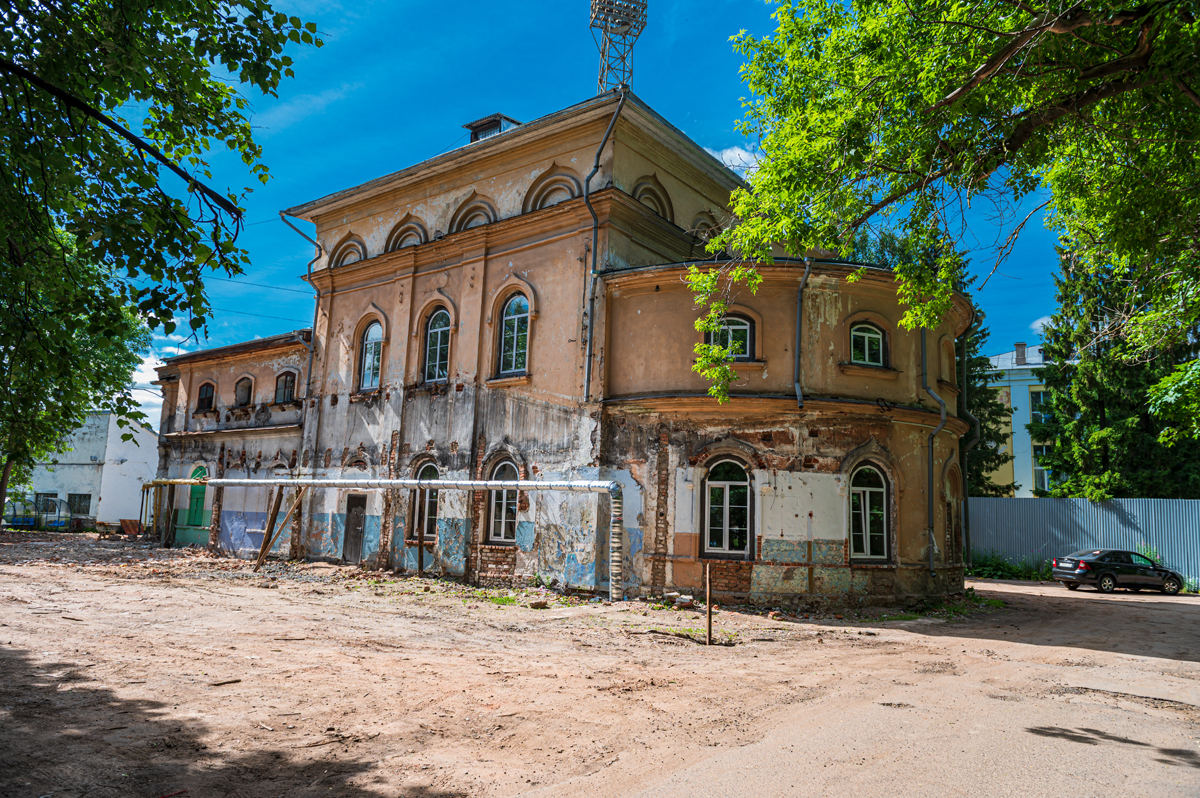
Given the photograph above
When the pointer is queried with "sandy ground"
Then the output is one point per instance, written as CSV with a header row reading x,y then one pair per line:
x,y
129,671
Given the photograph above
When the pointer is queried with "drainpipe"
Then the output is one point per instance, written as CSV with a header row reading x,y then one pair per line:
x,y
587,200
963,450
932,437
799,325
311,345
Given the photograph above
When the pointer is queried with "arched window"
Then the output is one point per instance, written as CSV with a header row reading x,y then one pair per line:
x,y
514,336
242,391
204,398
867,345
502,520
285,387
425,506
195,512
437,346
736,335
868,514
727,509
371,357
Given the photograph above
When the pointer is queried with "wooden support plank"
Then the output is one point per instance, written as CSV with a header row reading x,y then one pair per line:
x,y
262,555
272,516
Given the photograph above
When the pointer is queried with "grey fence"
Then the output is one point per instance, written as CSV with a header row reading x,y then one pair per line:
x,y
1044,528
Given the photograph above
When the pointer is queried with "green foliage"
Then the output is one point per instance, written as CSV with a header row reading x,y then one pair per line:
x,y
917,109
993,565
1105,439
1176,400
170,67
1148,551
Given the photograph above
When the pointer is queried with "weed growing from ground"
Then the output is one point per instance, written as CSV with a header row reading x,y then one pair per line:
x,y
994,565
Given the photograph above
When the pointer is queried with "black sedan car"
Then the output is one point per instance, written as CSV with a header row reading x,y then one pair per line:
x,y
1108,569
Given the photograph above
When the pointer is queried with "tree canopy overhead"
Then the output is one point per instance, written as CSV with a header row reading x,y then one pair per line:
x,y
108,109
914,110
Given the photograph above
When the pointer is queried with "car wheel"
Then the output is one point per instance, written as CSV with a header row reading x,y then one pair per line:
x,y
1107,584
1171,586
1072,585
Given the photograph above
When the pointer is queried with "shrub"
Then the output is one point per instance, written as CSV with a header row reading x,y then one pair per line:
x,y
994,565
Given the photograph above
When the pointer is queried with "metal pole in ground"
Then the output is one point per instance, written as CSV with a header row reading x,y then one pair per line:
x,y
708,599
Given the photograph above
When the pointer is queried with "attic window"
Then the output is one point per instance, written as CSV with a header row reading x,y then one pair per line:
x,y
490,126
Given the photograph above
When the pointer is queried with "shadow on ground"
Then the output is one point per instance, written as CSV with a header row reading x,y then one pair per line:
x,y
63,736
1167,756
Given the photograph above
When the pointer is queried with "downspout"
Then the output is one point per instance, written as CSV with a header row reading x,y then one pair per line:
x,y
591,292
963,450
311,345
799,325
932,437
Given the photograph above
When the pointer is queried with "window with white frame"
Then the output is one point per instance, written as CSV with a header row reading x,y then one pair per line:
x,y
737,335
727,509
867,345
1041,474
868,514
502,514
371,357
437,346
1039,406
425,510
514,336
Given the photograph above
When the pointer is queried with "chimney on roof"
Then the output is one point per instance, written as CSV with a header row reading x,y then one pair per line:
x,y
1020,360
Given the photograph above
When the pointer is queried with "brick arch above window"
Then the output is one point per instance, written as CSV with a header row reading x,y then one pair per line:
x,y
728,448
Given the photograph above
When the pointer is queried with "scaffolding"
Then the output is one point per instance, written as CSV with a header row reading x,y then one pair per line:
x,y
610,488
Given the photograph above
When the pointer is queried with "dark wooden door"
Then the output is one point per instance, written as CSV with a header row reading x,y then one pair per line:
x,y
356,516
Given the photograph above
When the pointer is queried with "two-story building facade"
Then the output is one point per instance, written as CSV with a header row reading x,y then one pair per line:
x,y
462,332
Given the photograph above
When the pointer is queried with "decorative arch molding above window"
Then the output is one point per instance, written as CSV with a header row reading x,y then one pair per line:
x,y
743,323
726,448
651,193
409,232
476,211
558,184
351,249
512,284
873,454
867,339
704,226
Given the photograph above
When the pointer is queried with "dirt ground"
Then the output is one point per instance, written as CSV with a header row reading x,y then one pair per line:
x,y
137,673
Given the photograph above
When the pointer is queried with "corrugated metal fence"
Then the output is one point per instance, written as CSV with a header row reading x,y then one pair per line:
x,y
1037,529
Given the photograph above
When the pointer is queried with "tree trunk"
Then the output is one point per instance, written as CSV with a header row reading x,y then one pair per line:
x,y
8,467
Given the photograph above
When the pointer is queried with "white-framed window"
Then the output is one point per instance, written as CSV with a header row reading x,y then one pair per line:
x,y
867,345
371,357
727,509
736,335
868,514
1041,474
502,513
1039,408
437,346
425,509
514,336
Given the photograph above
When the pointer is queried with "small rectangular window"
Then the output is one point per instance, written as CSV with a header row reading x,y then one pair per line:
x,y
1041,475
46,502
1039,408
80,503
285,388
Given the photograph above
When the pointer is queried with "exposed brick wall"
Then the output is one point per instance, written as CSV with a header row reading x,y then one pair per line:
x,y
497,565
658,569
730,576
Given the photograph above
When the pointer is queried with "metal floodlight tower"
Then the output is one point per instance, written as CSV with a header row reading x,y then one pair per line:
x,y
616,25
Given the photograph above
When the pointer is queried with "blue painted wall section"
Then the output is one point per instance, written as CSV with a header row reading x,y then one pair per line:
x,y
452,544
525,536
768,580
784,551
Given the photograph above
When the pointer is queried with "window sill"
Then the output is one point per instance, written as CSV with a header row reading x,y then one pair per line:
x,y
713,556
206,414
499,544
881,565
364,396
293,404
510,379
429,542
748,365
862,370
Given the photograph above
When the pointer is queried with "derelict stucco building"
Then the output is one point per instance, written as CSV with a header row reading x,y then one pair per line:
x,y
459,332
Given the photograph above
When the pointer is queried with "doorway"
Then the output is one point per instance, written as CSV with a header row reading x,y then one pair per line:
x,y
356,516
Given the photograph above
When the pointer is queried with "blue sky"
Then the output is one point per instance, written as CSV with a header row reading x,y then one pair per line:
x,y
396,80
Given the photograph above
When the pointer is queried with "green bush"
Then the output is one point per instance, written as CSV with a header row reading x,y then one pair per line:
x,y
994,565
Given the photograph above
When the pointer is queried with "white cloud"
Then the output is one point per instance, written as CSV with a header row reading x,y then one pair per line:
x,y
173,350
174,338
148,396
739,159
1039,324
287,113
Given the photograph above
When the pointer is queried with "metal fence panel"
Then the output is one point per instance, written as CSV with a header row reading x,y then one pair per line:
x,y
1037,529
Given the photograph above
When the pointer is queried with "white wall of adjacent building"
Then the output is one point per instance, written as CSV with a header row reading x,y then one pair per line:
x,y
101,471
